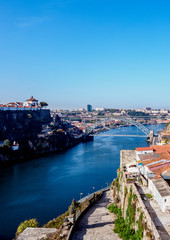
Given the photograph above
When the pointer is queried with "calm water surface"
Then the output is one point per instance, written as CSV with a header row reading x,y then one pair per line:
x,y
44,188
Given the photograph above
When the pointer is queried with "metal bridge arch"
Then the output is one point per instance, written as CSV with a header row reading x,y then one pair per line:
x,y
128,120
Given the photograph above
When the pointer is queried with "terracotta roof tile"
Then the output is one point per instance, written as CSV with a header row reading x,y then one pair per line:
x,y
162,148
31,99
144,149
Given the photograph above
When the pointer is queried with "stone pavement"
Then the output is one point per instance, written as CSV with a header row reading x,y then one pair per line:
x,y
97,223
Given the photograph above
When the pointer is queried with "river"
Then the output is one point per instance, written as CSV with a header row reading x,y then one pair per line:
x,y
44,187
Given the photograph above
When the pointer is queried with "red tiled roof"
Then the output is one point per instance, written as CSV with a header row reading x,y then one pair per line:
x,y
19,103
159,166
144,149
144,157
162,148
150,161
164,155
11,103
31,99
161,170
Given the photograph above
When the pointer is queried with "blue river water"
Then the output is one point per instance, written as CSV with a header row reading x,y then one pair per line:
x,y
44,187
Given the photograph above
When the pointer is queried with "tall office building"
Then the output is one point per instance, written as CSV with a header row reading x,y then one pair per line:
x,y
89,108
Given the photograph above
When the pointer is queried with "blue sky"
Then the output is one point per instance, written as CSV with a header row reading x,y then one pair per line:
x,y
69,53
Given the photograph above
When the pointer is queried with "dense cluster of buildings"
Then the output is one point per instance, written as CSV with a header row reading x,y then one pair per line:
x,y
154,167
84,118
151,166
147,171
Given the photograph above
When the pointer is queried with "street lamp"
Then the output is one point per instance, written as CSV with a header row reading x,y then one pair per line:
x,y
81,195
107,184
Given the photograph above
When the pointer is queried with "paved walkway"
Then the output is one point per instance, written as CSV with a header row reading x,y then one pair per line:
x,y
97,223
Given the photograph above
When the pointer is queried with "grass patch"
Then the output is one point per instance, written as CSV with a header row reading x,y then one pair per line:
x,y
148,195
113,209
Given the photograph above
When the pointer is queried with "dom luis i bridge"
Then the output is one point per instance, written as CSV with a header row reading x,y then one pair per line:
x,y
100,126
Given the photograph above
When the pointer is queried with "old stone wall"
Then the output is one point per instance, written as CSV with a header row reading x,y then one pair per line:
x,y
122,192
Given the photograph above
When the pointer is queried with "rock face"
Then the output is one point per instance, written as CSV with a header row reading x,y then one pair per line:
x,y
36,233
24,127
18,125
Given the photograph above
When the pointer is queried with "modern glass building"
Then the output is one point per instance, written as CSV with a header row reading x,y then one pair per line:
x,y
89,108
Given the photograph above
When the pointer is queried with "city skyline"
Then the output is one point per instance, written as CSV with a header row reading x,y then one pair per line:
x,y
70,53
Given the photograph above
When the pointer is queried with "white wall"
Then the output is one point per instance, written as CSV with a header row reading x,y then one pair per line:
x,y
160,200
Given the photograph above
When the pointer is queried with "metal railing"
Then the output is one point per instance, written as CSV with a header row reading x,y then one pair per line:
x,y
91,194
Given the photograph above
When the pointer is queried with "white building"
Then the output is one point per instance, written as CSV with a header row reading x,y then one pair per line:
x,y
100,109
143,150
15,146
164,111
32,102
161,192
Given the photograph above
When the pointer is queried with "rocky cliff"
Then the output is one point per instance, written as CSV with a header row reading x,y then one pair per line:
x,y
24,127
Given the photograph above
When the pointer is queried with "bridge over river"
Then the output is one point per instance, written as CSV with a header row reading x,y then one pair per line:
x,y
100,126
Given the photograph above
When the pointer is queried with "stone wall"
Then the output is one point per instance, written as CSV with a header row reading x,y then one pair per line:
x,y
121,199
148,219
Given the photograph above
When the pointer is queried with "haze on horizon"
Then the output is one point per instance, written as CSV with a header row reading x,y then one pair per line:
x,y
71,53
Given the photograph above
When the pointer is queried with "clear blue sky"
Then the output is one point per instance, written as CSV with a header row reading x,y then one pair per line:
x,y
69,53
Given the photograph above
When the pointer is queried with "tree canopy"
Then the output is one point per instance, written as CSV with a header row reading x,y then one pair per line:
x,y
43,104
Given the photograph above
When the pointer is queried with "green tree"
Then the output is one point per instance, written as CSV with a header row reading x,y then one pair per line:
x,y
43,104
7,143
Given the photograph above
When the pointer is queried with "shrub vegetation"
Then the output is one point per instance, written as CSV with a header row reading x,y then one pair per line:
x,y
125,227
27,223
56,222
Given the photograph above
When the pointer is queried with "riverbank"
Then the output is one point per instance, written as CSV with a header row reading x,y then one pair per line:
x,y
22,155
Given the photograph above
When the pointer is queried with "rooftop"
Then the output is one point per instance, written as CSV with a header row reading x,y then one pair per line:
x,y
128,157
144,149
148,156
162,148
162,186
32,99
